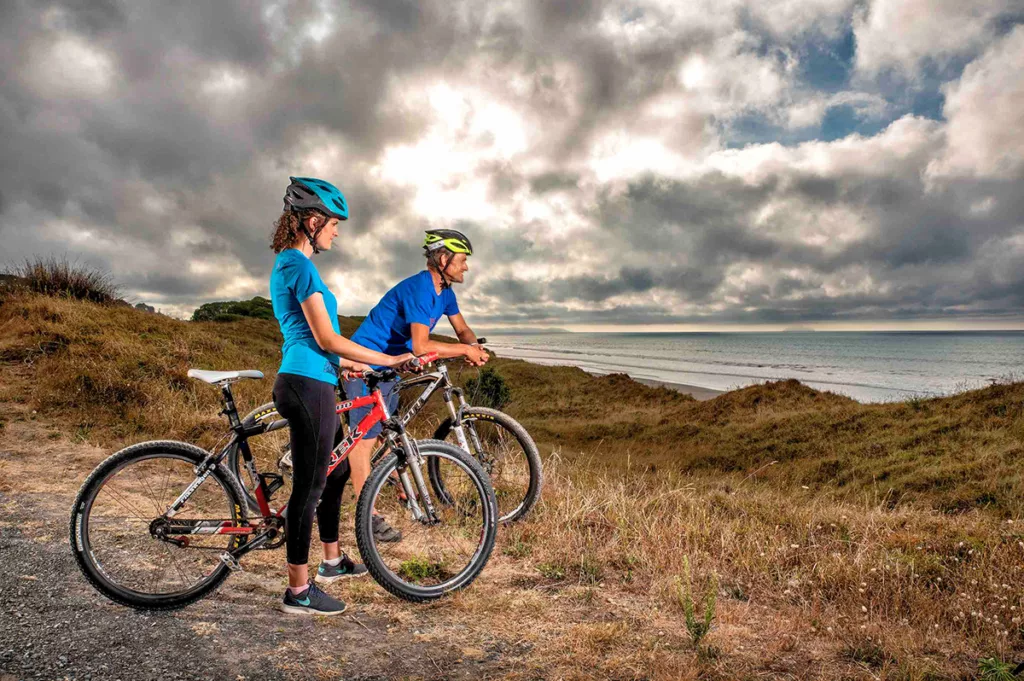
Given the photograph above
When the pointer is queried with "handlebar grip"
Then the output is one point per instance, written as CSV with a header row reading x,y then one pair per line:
x,y
425,359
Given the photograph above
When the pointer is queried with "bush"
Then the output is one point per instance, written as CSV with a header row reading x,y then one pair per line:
x,y
231,311
60,278
490,390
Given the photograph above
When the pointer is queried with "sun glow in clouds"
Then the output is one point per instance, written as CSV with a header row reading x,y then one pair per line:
x,y
470,129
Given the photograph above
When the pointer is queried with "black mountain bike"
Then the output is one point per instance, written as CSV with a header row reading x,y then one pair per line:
x,y
161,524
499,442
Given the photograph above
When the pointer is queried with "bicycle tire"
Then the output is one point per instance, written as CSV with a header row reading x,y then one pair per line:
x,y
507,513
80,525
263,414
368,547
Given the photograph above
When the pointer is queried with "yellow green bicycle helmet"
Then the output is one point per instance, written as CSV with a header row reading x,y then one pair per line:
x,y
454,241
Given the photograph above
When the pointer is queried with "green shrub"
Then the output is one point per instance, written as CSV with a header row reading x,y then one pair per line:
x,y
234,310
994,669
59,277
490,390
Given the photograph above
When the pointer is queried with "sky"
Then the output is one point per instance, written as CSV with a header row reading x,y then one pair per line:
x,y
659,165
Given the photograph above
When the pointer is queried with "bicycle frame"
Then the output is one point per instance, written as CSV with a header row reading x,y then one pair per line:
x,y
271,521
433,381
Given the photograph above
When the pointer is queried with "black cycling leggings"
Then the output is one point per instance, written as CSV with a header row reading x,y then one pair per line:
x,y
310,407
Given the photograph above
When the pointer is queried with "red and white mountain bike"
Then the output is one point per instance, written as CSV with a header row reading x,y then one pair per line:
x,y
161,524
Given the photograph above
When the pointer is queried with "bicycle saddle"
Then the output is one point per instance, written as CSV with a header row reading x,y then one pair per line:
x,y
223,377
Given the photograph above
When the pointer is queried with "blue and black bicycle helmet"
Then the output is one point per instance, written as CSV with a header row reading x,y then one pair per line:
x,y
309,192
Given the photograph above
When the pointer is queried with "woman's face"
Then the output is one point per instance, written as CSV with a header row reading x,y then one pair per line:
x,y
327,235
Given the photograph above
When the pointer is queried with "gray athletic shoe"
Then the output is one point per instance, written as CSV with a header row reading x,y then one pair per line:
x,y
312,601
383,532
346,569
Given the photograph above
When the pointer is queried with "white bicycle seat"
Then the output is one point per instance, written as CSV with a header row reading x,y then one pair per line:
x,y
223,377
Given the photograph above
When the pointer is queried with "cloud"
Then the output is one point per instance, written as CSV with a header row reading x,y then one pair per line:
x,y
900,34
613,163
986,126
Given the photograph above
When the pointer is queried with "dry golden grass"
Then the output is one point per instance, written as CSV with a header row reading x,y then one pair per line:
x,y
848,540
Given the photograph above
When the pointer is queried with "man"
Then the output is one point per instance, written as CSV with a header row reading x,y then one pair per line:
x,y
401,322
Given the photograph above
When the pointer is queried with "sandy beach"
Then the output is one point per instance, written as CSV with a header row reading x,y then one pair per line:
x,y
695,391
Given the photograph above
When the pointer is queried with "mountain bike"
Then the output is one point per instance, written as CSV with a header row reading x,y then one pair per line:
x,y
159,525
501,445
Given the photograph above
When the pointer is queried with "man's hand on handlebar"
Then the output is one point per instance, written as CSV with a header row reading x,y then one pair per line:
x,y
476,355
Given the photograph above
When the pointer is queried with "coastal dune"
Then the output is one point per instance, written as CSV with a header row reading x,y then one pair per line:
x,y
827,538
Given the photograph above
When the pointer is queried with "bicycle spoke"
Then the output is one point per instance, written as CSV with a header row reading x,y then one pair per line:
x,y
431,553
125,548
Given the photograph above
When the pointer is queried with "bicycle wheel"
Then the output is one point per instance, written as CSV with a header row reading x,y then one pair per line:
x,y
432,558
507,453
116,520
271,453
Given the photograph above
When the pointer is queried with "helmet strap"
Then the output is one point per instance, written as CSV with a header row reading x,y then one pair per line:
x,y
436,260
311,237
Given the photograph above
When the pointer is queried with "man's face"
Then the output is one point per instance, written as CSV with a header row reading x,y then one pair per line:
x,y
456,268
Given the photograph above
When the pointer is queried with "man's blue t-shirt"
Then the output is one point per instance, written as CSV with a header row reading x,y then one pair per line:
x,y
293,280
412,301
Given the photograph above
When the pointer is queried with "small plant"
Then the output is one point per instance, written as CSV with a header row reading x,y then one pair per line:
x,y
489,391
551,571
994,669
518,546
698,628
421,569
60,278
590,569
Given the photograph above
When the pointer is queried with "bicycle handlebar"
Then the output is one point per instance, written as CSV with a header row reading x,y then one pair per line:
x,y
390,373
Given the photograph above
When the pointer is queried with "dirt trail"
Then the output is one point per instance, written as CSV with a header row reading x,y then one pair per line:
x,y
53,625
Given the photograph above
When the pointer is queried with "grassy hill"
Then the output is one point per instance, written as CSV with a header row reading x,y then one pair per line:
x,y
846,540
121,375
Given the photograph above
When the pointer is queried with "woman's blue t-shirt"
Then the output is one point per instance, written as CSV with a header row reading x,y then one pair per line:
x,y
413,300
293,280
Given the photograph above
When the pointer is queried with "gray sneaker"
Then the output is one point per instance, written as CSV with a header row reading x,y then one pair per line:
x,y
312,601
346,569
383,532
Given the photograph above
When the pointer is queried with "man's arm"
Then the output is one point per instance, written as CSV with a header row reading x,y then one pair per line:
x,y
422,344
462,330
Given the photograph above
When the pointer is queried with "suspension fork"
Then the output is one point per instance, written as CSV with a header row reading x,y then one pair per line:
x,y
459,428
413,483
460,432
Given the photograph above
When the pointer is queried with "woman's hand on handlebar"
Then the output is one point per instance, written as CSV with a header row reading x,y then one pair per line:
x,y
407,363
396,362
417,364
349,365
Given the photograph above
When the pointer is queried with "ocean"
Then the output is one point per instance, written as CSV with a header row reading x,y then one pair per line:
x,y
867,366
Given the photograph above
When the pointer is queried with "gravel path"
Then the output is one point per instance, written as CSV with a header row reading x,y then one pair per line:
x,y
54,625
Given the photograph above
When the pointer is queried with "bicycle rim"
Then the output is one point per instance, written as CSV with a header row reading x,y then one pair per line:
x,y
113,537
432,558
508,457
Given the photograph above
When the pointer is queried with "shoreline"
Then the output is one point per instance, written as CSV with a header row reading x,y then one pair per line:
x,y
694,391
698,393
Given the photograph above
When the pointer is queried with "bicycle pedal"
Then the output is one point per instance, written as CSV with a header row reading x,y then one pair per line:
x,y
286,460
231,562
273,481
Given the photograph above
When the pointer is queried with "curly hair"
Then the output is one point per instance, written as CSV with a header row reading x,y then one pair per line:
x,y
287,230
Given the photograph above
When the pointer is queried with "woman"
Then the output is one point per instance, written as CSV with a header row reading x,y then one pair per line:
x,y
304,393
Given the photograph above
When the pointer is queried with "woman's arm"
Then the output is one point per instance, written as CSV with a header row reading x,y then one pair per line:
x,y
329,341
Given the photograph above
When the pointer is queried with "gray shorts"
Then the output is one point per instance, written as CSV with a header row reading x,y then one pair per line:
x,y
357,388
